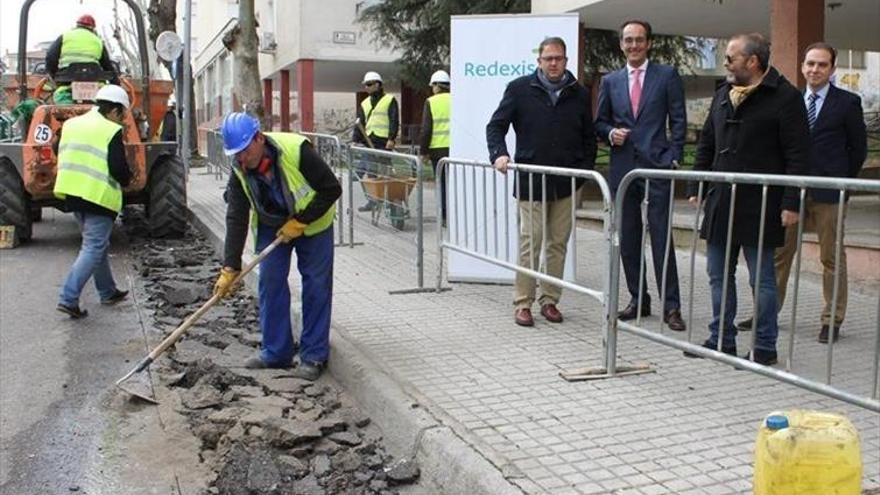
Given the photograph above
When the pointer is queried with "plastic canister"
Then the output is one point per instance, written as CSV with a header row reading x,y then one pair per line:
x,y
807,453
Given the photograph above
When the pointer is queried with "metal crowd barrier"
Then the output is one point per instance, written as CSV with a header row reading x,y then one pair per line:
x,y
218,163
329,147
388,178
474,213
842,186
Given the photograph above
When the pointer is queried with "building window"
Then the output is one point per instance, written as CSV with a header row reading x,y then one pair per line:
x,y
851,59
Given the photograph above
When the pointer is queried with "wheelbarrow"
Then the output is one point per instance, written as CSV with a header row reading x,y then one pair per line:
x,y
392,193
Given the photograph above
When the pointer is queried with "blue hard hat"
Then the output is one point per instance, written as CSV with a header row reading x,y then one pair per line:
x,y
238,130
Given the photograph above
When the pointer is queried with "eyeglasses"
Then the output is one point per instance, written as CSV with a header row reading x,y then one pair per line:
x,y
553,58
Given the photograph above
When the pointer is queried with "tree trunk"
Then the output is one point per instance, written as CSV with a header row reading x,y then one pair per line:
x,y
242,42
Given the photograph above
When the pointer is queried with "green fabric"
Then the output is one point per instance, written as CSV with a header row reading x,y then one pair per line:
x,y
83,170
440,105
80,45
62,96
378,123
289,147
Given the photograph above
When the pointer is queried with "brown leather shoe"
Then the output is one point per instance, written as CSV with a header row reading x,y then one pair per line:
x,y
523,317
551,312
672,318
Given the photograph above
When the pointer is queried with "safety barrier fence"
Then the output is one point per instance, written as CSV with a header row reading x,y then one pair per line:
x,y
479,227
330,148
708,183
387,179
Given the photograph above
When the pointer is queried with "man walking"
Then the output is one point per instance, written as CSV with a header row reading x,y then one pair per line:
x,y
551,115
635,105
92,171
435,136
757,123
282,188
379,120
838,148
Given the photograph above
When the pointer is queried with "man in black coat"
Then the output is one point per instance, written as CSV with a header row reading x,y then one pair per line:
x,y
758,124
839,146
553,121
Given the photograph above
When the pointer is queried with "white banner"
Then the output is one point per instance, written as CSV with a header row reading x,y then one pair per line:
x,y
487,52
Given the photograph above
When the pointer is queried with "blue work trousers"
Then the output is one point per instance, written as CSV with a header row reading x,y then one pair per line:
x,y
767,329
315,264
91,261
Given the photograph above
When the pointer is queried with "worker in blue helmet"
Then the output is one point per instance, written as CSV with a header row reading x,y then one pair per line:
x,y
281,188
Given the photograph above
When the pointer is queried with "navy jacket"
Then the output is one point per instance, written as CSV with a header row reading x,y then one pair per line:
x,y
558,135
838,141
766,134
648,145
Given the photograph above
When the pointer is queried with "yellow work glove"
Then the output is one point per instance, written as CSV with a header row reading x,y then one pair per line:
x,y
223,286
291,229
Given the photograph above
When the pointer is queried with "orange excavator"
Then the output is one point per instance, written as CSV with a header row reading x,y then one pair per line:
x,y
28,165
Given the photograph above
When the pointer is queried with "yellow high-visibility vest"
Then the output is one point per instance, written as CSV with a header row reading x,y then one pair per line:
x,y
440,105
378,123
80,45
83,170
289,147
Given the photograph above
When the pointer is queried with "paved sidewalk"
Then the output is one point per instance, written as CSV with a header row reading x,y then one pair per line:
x,y
688,428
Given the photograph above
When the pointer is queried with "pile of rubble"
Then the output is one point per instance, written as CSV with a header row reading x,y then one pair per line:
x,y
262,431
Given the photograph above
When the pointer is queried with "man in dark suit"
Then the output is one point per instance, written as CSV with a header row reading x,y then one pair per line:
x,y
756,124
838,149
635,104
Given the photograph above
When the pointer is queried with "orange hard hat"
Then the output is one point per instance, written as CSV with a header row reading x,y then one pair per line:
x,y
86,21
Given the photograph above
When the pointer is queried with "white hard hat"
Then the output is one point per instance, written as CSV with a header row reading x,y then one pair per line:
x,y
371,76
113,93
440,77
172,101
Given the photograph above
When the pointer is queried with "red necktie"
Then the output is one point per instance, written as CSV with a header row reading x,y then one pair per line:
x,y
635,95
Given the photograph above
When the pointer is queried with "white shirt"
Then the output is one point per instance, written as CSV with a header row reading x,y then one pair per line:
x,y
822,94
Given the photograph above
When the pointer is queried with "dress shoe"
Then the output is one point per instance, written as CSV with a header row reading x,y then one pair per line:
x,y
730,351
73,311
672,318
823,334
118,296
761,356
523,317
629,313
367,207
551,312
745,325
308,371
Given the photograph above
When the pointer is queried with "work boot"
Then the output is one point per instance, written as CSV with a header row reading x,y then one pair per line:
x,y
256,363
73,311
118,296
308,371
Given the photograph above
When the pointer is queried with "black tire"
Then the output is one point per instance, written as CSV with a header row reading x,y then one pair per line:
x,y
397,215
166,191
14,202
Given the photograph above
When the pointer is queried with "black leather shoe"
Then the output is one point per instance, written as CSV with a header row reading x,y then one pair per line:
x,y
823,334
745,325
673,319
629,313
366,207
767,358
730,351
117,296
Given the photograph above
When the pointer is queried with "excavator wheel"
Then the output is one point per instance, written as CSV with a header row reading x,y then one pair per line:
x,y
166,208
14,202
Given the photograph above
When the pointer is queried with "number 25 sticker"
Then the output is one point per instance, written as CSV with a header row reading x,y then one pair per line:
x,y
42,134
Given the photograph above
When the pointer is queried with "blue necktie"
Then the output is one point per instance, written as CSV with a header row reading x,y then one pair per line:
x,y
811,110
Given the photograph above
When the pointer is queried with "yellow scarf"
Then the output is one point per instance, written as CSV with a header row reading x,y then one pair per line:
x,y
738,94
